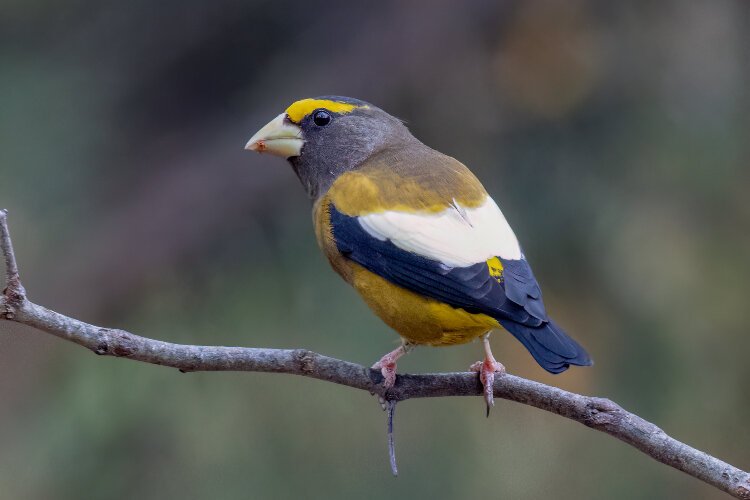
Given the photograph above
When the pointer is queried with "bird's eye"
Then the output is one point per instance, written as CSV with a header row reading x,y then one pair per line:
x,y
322,118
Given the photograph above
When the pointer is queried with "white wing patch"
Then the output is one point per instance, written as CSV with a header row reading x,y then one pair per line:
x,y
457,236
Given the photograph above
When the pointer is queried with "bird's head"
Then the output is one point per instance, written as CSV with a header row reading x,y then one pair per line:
x,y
327,136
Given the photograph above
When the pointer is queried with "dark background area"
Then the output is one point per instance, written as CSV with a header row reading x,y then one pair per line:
x,y
613,135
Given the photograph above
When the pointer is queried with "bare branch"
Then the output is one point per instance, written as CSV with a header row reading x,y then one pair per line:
x,y
598,413
14,293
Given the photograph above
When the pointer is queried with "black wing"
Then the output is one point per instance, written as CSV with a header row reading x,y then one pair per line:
x,y
513,298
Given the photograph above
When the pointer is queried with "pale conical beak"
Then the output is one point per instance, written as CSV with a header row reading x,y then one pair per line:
x,y
279,137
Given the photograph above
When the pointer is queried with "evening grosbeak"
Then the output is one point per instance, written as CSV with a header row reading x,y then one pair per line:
x,y
415,233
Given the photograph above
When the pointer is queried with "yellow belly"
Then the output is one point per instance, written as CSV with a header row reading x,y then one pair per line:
x,y
418,319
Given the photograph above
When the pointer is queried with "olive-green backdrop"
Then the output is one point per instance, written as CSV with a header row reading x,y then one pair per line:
x,y
614,135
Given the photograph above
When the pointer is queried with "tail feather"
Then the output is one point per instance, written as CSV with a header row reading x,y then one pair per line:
x,y
550,346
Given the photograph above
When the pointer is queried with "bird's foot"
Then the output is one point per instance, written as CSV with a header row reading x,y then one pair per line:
x,y
387,367
487,370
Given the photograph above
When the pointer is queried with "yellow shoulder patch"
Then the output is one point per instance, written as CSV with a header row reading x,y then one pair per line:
x,y
300,109
496,268
360,193
377,188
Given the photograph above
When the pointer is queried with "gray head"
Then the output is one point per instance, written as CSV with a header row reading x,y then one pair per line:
x,y
327,136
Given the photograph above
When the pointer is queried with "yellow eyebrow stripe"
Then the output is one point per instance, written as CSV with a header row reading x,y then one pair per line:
x,y
300,109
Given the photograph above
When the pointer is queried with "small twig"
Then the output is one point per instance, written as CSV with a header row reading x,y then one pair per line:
x,y
597,413
11,268
14,292
390,409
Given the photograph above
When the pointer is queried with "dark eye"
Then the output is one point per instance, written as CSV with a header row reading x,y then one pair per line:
x,y
322,118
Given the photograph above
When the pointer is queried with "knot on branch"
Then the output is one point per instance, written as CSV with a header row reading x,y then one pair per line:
x,y
116,343
602,412
15,295
742,491
607,416
305,360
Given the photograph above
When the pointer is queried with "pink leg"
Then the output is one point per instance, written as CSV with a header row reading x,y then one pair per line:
x,y
387,365
487,370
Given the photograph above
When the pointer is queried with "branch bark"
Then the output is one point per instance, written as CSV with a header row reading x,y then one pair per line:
x,y
598,413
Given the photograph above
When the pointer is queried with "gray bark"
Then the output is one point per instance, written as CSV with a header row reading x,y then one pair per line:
x,y
598,413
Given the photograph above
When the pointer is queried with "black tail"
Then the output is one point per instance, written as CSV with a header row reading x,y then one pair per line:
x,y
550,345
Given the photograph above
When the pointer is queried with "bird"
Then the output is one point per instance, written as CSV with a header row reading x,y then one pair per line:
x,y
416,234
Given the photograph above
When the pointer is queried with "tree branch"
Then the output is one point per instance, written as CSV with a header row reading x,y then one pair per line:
x,y
598,413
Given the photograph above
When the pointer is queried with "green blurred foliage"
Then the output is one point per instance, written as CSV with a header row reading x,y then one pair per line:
x,y
614,136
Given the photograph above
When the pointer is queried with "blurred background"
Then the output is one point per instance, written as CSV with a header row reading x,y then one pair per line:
x,y
614,136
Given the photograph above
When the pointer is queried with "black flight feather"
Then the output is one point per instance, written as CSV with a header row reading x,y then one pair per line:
x,y
515,300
